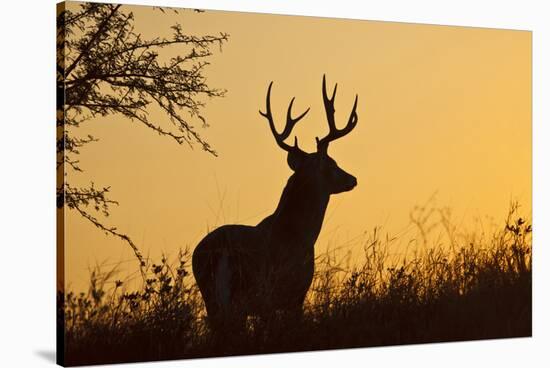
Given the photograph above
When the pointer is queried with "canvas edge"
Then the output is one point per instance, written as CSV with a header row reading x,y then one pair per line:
x,y
60,173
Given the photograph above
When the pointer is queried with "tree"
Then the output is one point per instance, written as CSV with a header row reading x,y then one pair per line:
x,y
105,68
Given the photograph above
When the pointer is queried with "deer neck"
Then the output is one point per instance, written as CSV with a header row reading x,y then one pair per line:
x,y
300,212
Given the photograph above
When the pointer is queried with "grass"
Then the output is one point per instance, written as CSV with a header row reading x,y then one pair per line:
x,y
475,286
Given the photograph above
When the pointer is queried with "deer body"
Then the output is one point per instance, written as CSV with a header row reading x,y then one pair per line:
x,y
257,270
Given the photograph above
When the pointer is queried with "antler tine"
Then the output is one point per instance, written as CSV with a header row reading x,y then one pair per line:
x,y
290,122
335,133
329,103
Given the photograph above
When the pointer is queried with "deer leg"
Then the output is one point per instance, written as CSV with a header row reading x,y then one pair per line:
x,y
295,311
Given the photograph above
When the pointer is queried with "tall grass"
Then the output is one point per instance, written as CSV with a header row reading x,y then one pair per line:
x,y
475,286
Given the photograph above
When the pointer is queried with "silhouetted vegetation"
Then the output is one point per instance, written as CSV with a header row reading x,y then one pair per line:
x,y
108,69
475,286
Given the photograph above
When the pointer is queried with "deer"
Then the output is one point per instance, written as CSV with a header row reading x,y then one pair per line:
x,y
259,270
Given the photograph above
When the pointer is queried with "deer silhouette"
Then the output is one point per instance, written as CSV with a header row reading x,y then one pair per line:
x,y
258,270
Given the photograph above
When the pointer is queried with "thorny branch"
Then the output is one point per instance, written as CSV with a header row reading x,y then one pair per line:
x,y
104,67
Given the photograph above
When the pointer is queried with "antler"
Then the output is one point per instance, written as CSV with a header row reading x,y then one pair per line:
x,y
290,122
335,133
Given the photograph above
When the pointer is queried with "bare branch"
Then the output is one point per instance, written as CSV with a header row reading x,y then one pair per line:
x,y
105,68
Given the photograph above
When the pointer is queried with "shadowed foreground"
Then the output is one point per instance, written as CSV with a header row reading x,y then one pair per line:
x,y
480,288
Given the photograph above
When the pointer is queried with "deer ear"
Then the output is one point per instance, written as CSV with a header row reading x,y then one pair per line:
x,y
295,159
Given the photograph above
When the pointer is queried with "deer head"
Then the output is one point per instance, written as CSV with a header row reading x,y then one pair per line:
x,y
317,167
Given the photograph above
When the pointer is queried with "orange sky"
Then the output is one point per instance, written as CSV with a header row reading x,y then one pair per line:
x,y
441,109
